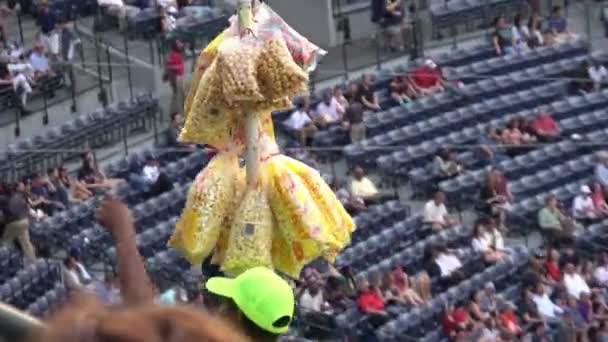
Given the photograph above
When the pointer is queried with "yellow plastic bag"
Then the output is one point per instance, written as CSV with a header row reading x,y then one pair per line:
x,y
310,217
251,233
211,201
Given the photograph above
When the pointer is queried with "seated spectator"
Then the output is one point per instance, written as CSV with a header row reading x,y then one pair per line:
x,y
436,214
528,310
601,168
528,134
547,309
508,321
445,166
477,313
352,204
371,303
40,62
453,321
312,298
600,275
426,79
535,38
504,42
400,90
92,177
75,275
18,220
57,190
301,123
554,223
573,326
362,187
574,283
340,97
598,75
40,197
557,26
520,33
599,199
489,301
402,288
545,127
583,209
445,265
489,150
493,230
483,243
152,181
352,92
19,82
496,196
552,266
78,189
513,138
367,95
354,122
329,111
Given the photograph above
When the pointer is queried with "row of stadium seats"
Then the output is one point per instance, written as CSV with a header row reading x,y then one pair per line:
x,y
30,283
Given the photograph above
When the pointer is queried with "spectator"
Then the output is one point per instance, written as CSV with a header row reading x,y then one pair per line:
x,y
392,22
403,289
371,303
475,307
436,214
599,200
548,310
513,137
554,223
352,92
445,166
41,197
573,326
354,122
598,75
536,38
92,177
569,256
488,301
19,82
497,196
362,187
600,274
497,240
400,90
174,74
18,222
528,134
340,98
574,283
367,96
583,209
426,79
489,150
49,36
557,26
483,243
453,321
58,192
301,123
312,298
329,111
520,33
75,275
152,181
508,321
504,42
601,168
40,62
444,264
78,189
544,127
352,204
552,266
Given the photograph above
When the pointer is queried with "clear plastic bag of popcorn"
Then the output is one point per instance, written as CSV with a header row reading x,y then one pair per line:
x,y
251,233
312,221
211,201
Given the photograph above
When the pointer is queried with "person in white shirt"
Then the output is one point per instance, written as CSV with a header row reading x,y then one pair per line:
x,y
575,284
151,181
312,298
601,272
583,208
598,74
549,310
75,276
445,265
436,214
39,61
301,123
483,242
329,111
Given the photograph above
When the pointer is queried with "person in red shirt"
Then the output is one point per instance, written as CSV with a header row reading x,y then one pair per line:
x,y
370,302
426,79
552,266
545,127
454,319
174,74
508,321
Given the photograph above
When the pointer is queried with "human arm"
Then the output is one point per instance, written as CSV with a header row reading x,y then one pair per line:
x,y
135,285
496,45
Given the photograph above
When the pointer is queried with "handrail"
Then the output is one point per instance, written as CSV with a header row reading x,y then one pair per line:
x,y
16,325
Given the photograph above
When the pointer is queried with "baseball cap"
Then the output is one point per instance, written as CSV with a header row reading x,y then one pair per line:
x,y
261,295
585,189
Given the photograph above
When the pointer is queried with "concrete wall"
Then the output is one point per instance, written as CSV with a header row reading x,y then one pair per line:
x,y
312,18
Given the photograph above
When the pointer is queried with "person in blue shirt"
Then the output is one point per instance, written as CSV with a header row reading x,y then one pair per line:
x,y
557,26
49,36
489,150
